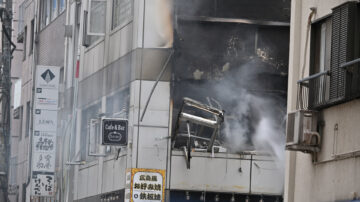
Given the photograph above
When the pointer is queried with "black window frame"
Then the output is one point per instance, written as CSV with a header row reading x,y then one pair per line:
x,y
343,82
32,30
24,44
27,121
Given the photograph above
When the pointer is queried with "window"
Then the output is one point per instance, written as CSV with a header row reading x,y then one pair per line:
x,y
24,49
50,9
31,37
97,15
61,6
121,13
13,170
21,23
54,9
320,52
344,81
88,114
334,60
28,115
94,22
321,45
21,111
45,13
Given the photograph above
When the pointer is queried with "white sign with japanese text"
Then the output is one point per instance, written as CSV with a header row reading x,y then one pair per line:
x,y
147,185
45,120
47,87
44,142
44,161
42,184
45,127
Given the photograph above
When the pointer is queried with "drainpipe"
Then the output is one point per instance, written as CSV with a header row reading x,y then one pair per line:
x,y
34,63
312,13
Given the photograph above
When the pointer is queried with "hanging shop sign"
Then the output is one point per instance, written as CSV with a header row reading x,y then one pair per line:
x,y
114,131
147,185
45,128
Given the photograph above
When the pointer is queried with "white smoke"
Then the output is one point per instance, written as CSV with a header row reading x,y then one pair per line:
x,y
255,120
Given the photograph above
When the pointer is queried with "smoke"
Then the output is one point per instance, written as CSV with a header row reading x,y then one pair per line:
x,y
254,115
161,26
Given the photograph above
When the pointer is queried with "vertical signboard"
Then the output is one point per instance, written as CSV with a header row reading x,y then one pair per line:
x,y
44,131
147,185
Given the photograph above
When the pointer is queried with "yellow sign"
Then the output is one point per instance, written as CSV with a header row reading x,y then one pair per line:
x,y
147,185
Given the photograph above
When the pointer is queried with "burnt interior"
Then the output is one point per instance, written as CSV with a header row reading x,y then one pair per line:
x,y
246,57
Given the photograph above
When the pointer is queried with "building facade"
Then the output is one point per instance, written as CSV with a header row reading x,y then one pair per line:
x,y
143,61
38,42
324,85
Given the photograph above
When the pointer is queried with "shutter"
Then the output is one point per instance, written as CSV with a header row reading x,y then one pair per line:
x,y
342,47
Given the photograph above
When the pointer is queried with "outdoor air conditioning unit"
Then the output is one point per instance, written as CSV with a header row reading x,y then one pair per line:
x,y
301,131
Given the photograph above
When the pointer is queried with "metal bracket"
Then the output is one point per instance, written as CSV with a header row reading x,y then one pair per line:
x,y
69,163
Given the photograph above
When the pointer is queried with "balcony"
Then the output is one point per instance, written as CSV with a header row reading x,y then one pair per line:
x,y
313,91
323,89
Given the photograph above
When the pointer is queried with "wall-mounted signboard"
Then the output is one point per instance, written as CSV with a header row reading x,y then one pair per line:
x,y
43,184
45,128
146,185
114,131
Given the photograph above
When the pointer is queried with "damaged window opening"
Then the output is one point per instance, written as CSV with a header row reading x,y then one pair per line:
x,y
241,69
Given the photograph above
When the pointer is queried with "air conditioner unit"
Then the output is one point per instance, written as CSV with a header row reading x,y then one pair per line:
x,y
301,131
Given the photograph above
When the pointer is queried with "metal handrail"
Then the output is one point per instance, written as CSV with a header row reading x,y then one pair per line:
x,y
346,64
327,72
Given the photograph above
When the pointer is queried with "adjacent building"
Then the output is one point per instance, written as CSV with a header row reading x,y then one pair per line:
x,y
200,88
323,102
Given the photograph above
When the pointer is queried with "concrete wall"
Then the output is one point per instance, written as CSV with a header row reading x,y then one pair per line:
x,y
331,178
49,50
132,57
246,174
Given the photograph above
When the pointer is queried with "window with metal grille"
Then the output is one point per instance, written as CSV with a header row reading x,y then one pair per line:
x,y
334,60
320,62
344,82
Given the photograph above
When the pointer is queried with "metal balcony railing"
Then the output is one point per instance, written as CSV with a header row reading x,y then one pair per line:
x,y
352,78
313,91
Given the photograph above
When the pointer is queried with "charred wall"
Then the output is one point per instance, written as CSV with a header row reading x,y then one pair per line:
x,y
271,10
